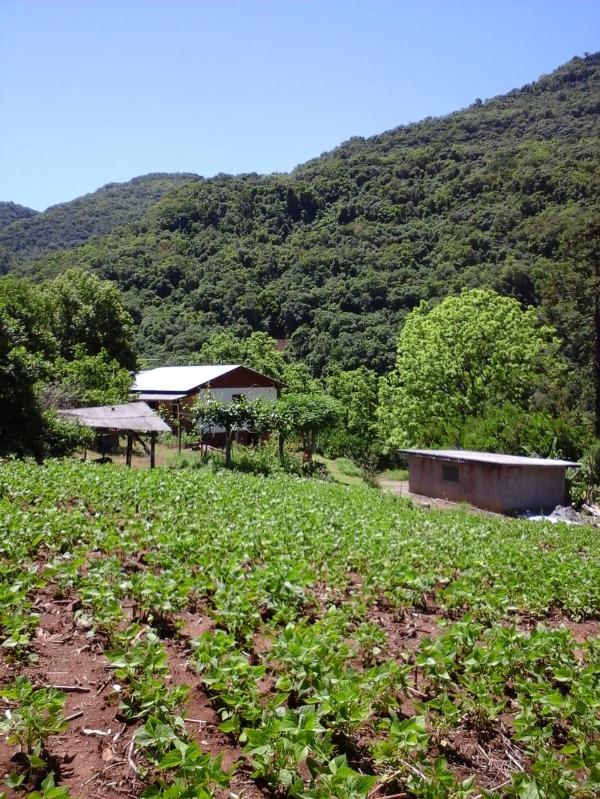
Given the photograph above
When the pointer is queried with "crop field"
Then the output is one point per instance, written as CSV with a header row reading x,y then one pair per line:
x,y
200,633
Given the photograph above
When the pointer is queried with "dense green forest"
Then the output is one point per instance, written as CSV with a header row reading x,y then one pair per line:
x,y
333,257
26,234
11,212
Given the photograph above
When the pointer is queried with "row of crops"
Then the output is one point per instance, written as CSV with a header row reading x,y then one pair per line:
x,y
358,647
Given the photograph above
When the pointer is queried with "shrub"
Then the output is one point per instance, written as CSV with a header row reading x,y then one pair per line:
x,y
584,485
517,431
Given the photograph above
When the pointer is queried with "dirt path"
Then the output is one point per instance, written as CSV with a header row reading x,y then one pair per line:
x,y
395,486
400,487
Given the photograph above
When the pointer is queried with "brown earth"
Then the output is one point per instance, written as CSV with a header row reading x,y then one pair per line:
x,y
94,756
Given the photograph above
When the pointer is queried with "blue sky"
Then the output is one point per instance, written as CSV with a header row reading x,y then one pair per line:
x,y
100,91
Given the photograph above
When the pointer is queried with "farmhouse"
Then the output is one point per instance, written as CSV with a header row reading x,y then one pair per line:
x,y
177,387
502,483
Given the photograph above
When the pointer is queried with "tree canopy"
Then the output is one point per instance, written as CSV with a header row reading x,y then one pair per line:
x,y
88,313
473,351
48,360
258,351
356,433
307,415
333,256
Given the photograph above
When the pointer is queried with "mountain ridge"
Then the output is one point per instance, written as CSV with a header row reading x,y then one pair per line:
x,y
76,221
334,254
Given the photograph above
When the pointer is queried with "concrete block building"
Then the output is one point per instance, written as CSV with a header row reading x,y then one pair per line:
x,y
506,484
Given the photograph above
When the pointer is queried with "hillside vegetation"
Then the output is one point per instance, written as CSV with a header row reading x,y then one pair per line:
x,y
334,255
12,212
29,234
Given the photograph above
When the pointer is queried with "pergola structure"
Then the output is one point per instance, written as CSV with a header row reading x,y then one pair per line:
x,y
132,419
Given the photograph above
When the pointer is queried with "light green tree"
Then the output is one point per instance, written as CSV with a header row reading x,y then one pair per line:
x,y
473,351
305,415
258,352
86,381
88,311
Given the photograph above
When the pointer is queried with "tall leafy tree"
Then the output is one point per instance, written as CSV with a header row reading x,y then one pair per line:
x,y
473,351
31,314
258,351
356,434
25,343
87,380
88,312
21,422
44,365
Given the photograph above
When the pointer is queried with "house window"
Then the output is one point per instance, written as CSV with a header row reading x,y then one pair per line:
x,y
450,473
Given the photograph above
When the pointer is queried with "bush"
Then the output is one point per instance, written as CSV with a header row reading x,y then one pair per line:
x,y
517,431
584,485
254,460
62,437
338,442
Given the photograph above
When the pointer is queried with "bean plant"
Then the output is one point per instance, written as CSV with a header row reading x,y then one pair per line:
x,y
352,642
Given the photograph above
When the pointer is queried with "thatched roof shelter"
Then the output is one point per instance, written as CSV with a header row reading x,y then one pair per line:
x,y
130,419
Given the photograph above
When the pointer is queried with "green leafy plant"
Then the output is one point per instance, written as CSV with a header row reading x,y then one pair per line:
x,y
32,716
283,741
49,790
142,666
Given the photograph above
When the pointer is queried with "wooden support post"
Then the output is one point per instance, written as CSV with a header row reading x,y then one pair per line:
x,y
179,426
152,450
129,450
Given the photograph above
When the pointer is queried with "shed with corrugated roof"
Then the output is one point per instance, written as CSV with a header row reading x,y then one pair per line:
x,y
501,483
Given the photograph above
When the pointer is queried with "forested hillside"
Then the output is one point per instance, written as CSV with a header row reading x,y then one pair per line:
x,y
27,234
11,212
334,255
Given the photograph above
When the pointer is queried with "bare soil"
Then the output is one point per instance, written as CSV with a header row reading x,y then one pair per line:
x,y
94,756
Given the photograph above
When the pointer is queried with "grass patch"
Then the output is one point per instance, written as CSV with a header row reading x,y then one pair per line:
x,y
348,468
340,473
394,474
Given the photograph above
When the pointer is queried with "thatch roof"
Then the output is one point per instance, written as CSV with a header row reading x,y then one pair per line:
x,y
135,417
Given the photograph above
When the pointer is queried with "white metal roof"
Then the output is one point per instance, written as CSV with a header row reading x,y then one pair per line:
x,y
494,458
179,379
